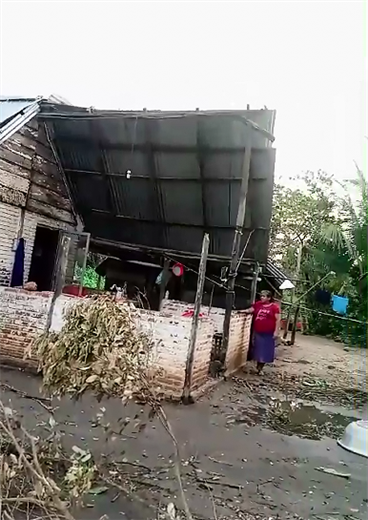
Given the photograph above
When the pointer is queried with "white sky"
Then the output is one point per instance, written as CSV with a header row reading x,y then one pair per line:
x,y
306,59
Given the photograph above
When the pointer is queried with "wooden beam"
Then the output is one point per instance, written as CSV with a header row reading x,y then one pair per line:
x,y
155,190
60,274
200,161
235,115
235,253
136,175
187,398
175,254
253,291
164,281
104,166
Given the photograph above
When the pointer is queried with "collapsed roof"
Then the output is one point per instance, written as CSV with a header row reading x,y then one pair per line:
x,y
156,181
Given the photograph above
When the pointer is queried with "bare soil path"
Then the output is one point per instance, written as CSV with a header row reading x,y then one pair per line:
x,y
243,450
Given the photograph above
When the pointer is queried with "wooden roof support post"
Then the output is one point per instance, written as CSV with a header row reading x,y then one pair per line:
x,y
253,290
235,253
164,281
187,398
60,277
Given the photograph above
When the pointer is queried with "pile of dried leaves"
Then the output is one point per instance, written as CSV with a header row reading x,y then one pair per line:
x,y
100,349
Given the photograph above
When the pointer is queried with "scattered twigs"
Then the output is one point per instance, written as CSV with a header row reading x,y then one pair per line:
x,y
165,423
219,461
39,400
22,468
24,394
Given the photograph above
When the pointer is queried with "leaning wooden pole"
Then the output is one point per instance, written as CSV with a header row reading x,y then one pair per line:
x,y
187,398
235,253
60,277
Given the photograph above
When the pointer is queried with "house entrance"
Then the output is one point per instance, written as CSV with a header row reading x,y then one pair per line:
x,y
44,257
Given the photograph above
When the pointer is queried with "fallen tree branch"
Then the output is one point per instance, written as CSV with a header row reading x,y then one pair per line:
x,y
177,463
24,394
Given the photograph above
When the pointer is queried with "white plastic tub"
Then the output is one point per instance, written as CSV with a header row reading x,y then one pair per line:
x,y
355,438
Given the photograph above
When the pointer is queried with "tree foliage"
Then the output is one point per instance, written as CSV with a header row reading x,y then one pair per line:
x,y
320,226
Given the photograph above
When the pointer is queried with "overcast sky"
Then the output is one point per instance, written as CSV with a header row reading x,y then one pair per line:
x,y
306,59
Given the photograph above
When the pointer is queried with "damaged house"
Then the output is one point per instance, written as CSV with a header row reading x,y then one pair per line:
x,y
142,188
34,201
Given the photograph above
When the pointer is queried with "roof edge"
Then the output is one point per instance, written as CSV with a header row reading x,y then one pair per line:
x,y
19,120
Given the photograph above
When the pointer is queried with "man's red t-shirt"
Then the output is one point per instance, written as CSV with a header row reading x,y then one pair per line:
x,y
265,317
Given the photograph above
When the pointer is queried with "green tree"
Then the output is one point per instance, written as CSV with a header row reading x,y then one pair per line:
x,y
320,226
300,211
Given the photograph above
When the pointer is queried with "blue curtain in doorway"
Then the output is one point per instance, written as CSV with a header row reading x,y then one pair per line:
x,y
18,267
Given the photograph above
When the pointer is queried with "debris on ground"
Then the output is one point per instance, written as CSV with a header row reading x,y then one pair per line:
x,y
37,478
331,471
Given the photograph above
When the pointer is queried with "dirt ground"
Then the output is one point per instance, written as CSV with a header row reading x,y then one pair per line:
x,y
325,359
248,451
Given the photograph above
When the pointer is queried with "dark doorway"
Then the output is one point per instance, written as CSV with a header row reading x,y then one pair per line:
x,y
44,257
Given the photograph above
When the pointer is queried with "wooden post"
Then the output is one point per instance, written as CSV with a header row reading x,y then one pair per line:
x,y
230,295
164,280
295,324
88,238
253,290
187,399
60,277
297,272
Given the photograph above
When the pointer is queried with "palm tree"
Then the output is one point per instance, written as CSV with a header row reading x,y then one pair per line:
x,y
349,233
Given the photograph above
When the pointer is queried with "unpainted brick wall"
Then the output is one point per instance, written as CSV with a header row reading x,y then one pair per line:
x,y
239,334
170,335
239,339
202,353
176,308
23,317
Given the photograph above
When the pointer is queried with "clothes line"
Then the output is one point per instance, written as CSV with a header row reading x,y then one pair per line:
x,y
211,280
326,313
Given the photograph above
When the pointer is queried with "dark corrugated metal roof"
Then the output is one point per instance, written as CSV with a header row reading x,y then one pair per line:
x,y
274,272
185,176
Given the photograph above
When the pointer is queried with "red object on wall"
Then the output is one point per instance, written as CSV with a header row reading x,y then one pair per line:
x,y
178,269
73,290
189,314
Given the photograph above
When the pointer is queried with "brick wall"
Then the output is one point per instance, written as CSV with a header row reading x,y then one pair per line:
x,y
239,335
170,335
23,317
202,353
176,308
170,348
239,339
